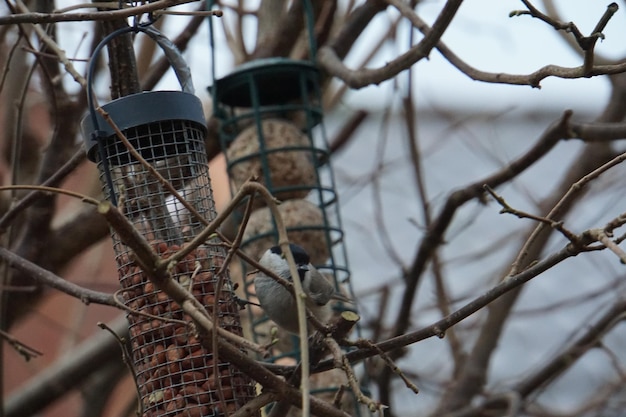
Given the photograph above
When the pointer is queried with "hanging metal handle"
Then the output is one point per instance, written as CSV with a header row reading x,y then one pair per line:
x,y
173,55
180,67
310,26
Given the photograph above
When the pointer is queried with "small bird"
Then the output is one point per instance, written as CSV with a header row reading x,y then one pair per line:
x,y
277,301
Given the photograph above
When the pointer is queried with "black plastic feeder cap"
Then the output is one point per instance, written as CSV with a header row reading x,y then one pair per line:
x,y
277,81
137,110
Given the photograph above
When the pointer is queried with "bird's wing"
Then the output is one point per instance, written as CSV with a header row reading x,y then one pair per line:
x,y
318,288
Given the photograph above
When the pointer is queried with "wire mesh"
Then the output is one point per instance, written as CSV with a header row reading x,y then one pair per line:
x,y
176,375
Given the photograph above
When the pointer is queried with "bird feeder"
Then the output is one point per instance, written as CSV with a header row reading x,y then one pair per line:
x,y
151,155
271,127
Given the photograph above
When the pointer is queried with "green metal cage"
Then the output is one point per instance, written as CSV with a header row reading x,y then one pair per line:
x,y
271,125
283,90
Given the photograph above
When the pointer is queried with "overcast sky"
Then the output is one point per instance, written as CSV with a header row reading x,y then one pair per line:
x,y
483,34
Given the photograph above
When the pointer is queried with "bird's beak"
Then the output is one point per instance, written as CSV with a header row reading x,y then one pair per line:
x,y
302,270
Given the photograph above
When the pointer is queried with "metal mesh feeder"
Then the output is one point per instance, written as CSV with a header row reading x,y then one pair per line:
x,y
176,375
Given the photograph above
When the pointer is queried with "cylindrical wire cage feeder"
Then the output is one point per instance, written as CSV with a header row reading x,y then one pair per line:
x,y
271,126
176,375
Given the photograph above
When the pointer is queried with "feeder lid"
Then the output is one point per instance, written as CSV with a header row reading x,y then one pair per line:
x,y
277,81
141,109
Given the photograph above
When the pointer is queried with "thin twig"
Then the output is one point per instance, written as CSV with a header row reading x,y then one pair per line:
x,y
42,188
252,407
38,18
132,311
69,67
204,13
300,296
342,362
571,193
597,34
126,358
112,5
364,343
339,396
43,276
586,43
506,208
49,55
537,14
602,236
443,297
338,329
9,59
22,348
220,281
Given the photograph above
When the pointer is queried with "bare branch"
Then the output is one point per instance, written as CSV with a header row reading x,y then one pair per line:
x,y
45,277
330,60
69,67
52,181
22,348
561,206
586,43
434,235
100,16
533,79
603,237
598,132
506,208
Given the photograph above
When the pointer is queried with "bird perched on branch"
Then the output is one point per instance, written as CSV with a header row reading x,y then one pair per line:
x,y
278,303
